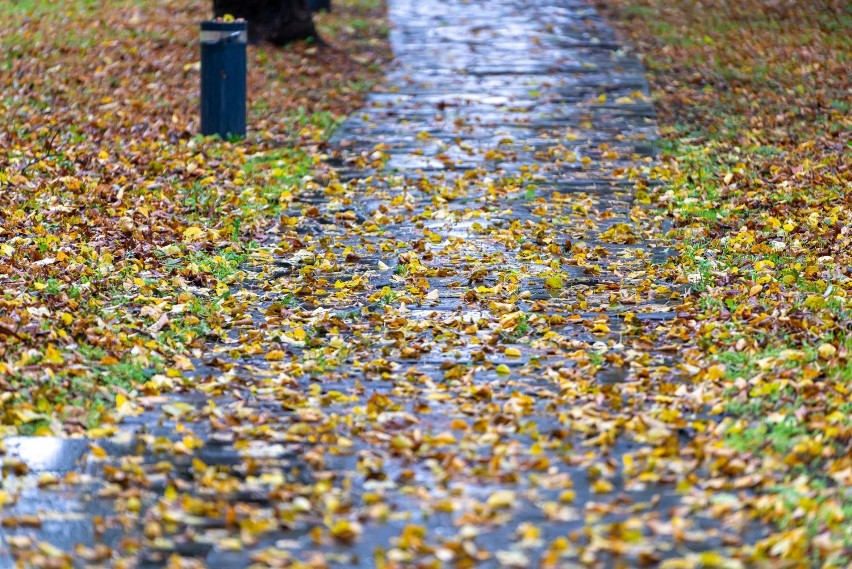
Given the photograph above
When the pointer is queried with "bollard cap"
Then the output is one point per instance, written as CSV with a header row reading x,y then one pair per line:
x,y
214,31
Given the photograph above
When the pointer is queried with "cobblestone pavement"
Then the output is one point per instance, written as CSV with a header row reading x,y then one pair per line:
x,y
446,355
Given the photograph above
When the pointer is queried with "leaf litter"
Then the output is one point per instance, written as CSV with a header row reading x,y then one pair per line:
x,y
474,365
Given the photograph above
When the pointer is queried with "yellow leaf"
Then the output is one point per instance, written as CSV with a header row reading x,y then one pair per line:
x,y
791,355
45,548
100,432
567,496
444,438
178,409
503,369
44,431
439,396
345,530
714,560
553,282
276,355
600,328
300,334
715,372
826,351
512,352
47,479
230,544
401,442
191,233
501,499
53,356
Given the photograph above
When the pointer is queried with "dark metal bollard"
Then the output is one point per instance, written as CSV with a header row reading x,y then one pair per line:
x,y
223,78
317,5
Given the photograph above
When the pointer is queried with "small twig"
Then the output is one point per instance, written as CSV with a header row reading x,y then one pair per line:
x,y
37,160
47,150
141,331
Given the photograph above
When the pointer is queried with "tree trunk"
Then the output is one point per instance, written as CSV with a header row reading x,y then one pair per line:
x,y
275,21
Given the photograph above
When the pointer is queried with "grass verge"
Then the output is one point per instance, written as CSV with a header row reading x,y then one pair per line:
x,y
753,101
122,229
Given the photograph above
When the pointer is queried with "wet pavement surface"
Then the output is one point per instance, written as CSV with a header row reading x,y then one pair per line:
x,y
444,358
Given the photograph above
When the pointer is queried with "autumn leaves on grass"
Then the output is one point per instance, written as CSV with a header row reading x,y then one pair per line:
x,y
753,100
121,229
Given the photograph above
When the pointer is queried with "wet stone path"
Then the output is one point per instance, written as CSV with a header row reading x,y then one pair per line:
x,y
448,352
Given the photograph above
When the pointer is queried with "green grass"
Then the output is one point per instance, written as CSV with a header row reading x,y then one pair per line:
x,y
93,392
782,437
46,7
126,374
284,170
16,44
388,297
221,265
